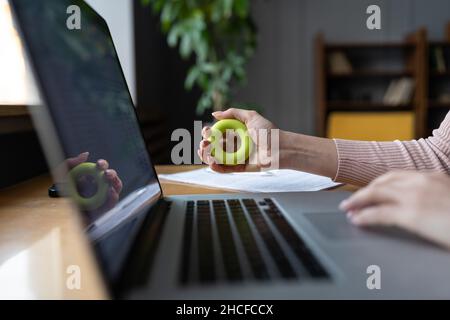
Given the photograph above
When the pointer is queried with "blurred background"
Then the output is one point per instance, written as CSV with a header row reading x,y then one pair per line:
x,y
310,66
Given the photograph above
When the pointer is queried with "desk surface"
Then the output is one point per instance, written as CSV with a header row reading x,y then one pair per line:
x,y
42,247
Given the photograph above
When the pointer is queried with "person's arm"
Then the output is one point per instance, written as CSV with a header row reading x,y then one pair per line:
x,y
297,151
309,154
359,162
355,162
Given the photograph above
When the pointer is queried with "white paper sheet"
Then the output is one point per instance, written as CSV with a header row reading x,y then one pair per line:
x,y
267,181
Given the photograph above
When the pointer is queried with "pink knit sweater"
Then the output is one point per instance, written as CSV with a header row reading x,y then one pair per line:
x,y
362,161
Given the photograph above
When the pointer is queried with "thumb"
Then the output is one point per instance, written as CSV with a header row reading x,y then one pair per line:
x,y
73,162
232,113
386,215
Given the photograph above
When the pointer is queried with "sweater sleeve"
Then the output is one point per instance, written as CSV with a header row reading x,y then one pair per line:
x,y
359,162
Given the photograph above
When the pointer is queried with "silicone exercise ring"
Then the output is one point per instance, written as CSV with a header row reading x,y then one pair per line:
x,y
230,158
99,198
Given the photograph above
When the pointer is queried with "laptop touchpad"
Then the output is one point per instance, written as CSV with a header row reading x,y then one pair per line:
x,y
335,226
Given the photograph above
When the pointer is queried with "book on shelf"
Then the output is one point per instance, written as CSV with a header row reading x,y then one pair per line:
x,y
366,125
339,63
444,98
399,92
447,31
439,62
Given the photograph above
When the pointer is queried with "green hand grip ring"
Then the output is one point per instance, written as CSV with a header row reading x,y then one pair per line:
x,y
230,158
99,198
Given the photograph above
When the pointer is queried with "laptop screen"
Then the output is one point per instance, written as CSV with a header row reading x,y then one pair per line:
x,y
110,176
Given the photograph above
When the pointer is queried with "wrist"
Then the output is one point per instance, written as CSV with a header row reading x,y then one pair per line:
x,y
307,153
288,154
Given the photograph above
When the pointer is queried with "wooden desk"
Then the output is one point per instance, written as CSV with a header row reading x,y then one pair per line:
x,y
14,118
40,237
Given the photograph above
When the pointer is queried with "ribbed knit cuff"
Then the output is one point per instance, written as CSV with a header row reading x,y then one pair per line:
x,y
358,161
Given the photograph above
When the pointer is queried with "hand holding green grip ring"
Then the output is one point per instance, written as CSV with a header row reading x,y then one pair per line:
x,y
99,197
230,158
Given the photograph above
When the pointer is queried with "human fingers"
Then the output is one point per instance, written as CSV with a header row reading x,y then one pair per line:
x,y
233,113
113,179
386,215
73,162
206,132
365,197
102,165
204,150
220,168
113,198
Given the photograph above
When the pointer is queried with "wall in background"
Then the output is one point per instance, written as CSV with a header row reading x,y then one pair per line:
x,y
119,16
281,76
281,73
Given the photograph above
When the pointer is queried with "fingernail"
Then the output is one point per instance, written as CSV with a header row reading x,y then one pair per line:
x,y
85,154
354,219
215,113
343,204
211,160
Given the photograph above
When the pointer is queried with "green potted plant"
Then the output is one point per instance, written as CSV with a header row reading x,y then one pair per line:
x,y
220,35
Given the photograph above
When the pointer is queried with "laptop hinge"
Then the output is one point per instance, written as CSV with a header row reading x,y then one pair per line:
x,y
140,259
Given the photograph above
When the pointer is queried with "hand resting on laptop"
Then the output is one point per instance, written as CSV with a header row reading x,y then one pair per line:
x,y
418,202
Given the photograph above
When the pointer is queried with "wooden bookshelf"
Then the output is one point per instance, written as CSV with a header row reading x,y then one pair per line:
x,y
447,33
334,90
370,46
13,110
364,106
372,73
438,82
439,104
437,74
14,118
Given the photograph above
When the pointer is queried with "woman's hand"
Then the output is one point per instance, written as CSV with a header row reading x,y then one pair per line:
x,y
418,202
111,177
254,123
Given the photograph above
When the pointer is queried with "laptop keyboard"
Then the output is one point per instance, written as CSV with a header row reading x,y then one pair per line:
x,y
242,239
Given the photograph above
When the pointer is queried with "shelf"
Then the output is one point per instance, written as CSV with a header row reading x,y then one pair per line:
x,y
378,45
436,74
372,74
390,60
365,106
440,44
13,111
439,104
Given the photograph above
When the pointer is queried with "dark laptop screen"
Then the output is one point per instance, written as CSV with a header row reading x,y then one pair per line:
x,y
82,84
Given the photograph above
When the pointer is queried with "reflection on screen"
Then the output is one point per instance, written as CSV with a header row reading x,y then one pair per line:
x,y
84,87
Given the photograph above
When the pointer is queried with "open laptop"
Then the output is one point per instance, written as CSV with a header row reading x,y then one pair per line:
x,y
235,246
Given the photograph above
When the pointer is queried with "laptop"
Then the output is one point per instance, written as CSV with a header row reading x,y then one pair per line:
x,y
233,246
